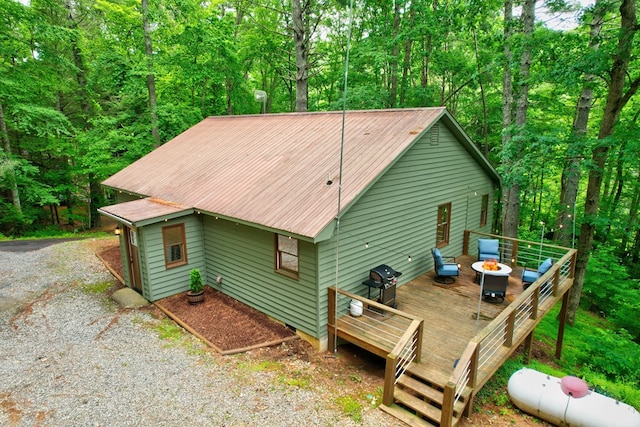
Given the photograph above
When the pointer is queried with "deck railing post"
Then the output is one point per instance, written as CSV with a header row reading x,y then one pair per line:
x,y
473,375
389,379
331,325
510,330
419,343
572,270
448,397
535,302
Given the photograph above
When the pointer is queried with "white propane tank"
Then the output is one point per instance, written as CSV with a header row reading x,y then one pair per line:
x,y
355,308
543,396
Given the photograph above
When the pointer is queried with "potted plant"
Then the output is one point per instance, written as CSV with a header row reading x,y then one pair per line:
x,y
196,288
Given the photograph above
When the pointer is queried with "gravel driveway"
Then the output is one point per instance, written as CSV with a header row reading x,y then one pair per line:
x,y
69,356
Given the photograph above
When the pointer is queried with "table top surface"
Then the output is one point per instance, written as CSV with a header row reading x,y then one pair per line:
x,y
503,269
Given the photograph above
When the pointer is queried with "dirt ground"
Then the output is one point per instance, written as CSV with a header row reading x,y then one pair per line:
x,y
364,371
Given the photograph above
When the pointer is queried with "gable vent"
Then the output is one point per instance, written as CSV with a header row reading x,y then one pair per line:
x,y
435,134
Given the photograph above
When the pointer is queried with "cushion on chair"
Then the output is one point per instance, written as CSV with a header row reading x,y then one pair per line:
x,y
529,276
545,266
437,256
488,249
448,270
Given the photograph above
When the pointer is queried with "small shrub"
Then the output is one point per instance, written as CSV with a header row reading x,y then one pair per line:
x,y
195,281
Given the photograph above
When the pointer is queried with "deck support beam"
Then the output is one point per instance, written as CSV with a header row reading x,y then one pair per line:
x,y
563,321
528,344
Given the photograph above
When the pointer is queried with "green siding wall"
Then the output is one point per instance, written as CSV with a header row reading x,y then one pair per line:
x,y
244,257
158,281
397,216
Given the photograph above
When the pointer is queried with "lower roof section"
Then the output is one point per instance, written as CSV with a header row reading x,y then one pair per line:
x,y
146,211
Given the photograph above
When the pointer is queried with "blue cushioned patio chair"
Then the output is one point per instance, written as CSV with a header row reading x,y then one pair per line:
x,y
445,271
488,249
530,276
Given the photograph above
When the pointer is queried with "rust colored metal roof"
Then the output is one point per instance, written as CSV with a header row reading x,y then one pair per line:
x,y
138,211
272,169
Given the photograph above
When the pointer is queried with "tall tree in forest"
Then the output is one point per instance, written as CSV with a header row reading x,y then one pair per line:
x,y
513,149
302,28
617,98
575,151
151,79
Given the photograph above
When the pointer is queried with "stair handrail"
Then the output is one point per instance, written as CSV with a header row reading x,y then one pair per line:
x,y
463,376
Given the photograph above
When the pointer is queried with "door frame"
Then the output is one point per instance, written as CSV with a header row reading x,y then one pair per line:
x,y
133,258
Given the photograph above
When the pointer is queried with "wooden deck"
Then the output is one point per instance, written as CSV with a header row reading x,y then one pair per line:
x,y
449,313
438,351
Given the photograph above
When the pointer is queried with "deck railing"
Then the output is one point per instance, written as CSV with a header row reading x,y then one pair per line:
x,y
490,348
405,344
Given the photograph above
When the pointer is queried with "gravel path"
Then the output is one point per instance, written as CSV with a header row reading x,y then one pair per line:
x,y
69,356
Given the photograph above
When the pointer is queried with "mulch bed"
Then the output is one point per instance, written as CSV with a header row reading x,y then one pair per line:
x,y
225,324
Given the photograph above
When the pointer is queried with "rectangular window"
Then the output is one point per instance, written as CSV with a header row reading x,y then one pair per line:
x,y
287,256
175,246
444,224
484,210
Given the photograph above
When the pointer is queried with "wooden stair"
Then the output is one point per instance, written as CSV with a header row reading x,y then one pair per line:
x,y
418,398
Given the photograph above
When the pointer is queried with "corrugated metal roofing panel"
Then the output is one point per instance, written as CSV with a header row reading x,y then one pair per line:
x,y
273,169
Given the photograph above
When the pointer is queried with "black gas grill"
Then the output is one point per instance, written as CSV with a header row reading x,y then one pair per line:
x,y
385,279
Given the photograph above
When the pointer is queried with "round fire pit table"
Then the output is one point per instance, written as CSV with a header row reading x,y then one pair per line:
x,y
503,269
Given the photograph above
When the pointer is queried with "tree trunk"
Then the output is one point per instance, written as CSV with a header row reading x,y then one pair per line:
x,y
566,224
395,51
507,112
406,65
616,100
514,153
151,80
302,54
483,98
15,194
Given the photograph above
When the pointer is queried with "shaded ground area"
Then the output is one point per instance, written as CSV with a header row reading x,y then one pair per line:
x,y
226,324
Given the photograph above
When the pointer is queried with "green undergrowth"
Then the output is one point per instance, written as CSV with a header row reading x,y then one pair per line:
x,y
174,335
54,232
96,288
604,357
350,406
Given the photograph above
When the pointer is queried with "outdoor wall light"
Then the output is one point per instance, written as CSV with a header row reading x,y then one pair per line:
x,y
118,231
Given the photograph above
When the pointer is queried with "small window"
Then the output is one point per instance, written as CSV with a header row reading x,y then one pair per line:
x,y
174,241
484,210
444,225
287,256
